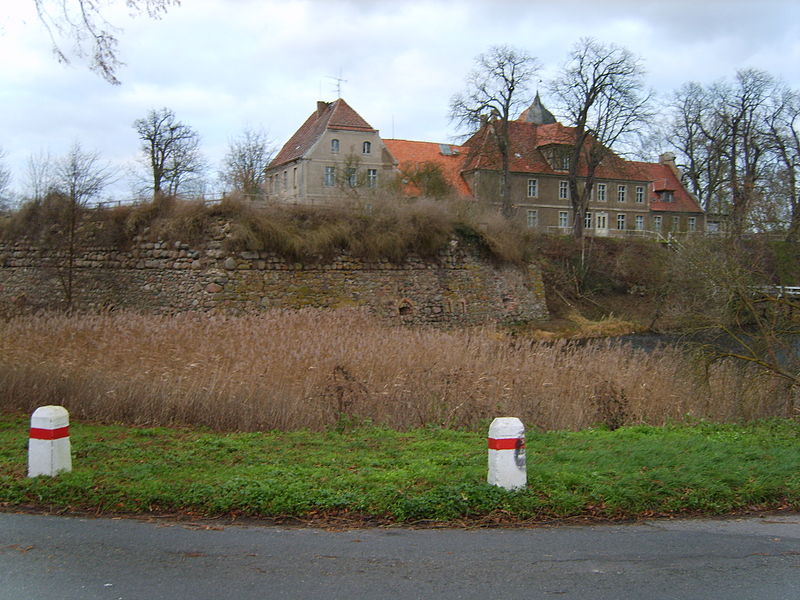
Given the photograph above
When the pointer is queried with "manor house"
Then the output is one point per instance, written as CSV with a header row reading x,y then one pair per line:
x,y
336,153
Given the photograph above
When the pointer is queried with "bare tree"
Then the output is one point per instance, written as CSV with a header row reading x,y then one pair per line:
x,y
171,150
695,133
601,92
82,23
496,89
5,184
40,176
741,110
79,176
726,134
246,160
783,135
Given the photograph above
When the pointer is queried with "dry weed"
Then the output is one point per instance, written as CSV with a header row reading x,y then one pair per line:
x,y
313,369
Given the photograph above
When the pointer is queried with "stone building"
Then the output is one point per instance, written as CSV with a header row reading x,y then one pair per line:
x,y
334,153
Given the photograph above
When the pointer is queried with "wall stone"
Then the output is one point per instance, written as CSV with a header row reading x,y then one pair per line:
x,y
460,288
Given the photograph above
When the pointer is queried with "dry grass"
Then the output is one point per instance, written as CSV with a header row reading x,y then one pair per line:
x,y
316,369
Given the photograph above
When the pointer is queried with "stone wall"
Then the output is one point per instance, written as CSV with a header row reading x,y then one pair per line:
x,y
459,288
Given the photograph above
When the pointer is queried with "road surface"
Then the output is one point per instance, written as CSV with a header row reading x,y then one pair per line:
x,y
68,558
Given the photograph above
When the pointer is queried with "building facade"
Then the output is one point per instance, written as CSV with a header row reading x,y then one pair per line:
x,y
337,153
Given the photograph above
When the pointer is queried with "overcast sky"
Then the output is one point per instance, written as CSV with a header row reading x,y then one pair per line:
x,y
223,65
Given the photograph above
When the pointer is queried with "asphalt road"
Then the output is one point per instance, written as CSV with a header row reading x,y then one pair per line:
x,y
64,558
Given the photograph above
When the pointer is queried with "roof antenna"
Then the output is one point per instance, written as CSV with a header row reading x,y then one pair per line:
x,y
339,81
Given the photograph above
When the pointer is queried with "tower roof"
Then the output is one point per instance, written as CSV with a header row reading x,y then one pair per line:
x,y
537,113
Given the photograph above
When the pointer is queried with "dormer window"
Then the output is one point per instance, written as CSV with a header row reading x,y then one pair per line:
x,y
666,196
558,157
335,146
366,148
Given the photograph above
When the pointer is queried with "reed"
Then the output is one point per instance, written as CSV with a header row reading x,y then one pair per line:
x,y
313,369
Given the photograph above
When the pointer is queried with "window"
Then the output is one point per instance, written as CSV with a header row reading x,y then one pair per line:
x,y
335,146
372,176
330,176
352,179
620,222
676,223
366,148
563,219
639,222
666,196
602,221
533,218
533,188
285,180
294,177
640,194
692,224
601,192
563,190
587,221
565,160
620,193
657,222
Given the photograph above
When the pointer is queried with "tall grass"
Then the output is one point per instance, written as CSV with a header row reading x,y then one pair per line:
x,y
316,369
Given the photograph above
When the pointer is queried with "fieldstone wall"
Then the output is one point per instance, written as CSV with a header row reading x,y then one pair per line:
x,y
459,288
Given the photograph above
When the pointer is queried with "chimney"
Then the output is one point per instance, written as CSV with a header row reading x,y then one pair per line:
x,y
668,158
321,106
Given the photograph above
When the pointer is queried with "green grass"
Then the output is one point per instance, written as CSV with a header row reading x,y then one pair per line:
x,y
383,475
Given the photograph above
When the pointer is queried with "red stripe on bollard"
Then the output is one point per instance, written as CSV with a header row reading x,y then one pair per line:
x,y
49,434
506,443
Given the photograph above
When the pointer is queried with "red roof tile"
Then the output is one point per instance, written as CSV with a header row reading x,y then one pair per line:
x,y
329,115
409,153
662,177
528,140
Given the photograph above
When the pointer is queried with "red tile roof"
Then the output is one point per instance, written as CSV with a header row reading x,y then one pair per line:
x,y
409,153
528,140
329,115
663,177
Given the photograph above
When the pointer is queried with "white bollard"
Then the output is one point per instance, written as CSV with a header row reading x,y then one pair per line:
x,y
48,443
507,467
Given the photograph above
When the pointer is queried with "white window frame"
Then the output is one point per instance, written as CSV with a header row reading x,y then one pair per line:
x,y
366,148
372,178
640,194
621,193
692,224
587,220
639,223
329,179
563,190
602,220
676,223
352,177
563,219
533,188
335,146
620,221
533,218
657,222
601,192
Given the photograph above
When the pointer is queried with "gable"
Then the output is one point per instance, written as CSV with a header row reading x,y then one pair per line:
x,y
337,115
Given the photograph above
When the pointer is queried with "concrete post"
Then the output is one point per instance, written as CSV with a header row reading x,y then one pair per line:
x,y
507,468
48,444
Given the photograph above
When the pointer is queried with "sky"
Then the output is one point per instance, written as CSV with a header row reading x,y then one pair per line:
x,y
226,65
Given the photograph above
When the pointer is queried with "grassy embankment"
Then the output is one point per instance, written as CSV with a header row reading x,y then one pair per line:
x,y
376,475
